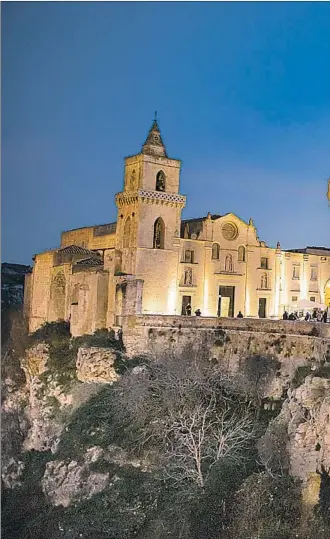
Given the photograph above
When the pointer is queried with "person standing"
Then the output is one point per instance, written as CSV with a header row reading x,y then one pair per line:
x,y
188,309
198,312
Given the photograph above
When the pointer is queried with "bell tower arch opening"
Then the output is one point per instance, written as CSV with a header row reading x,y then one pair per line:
x,y
160,181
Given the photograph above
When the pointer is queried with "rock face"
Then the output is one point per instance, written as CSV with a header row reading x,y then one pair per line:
x,y
45,401
11,472
66,483
96,365
14,428
299,437
309,427
48,403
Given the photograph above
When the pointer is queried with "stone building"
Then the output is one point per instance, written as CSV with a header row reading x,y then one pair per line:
x,y
150,261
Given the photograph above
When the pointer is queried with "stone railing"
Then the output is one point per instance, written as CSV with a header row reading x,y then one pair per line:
x,y
317,329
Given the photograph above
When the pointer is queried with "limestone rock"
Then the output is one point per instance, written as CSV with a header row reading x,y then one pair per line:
x,y
66,483
14,427
309,427
35,361
48,403
11,472
96,365
303,427
118,455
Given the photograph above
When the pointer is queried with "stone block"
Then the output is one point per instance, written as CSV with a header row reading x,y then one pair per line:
x,y
96,365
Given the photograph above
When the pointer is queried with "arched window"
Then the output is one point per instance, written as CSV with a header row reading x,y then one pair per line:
x,y
264,280
159,234
229,263
241,254
215,251
127,233
160,181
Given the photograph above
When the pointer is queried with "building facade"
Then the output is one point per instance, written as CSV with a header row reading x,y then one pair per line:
x,y
152,262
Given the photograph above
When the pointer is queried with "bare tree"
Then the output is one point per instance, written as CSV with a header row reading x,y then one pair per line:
x,y
189,412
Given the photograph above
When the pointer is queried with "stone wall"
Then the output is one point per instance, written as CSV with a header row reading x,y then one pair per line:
x,y
232,343
243,324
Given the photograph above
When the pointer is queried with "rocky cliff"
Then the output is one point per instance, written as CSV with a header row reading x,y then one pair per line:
x,y
61,439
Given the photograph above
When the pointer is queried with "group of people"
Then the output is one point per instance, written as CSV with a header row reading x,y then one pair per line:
x,y
198,312
317,316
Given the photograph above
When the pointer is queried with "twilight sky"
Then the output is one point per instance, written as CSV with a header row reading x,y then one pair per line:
x,y
242,92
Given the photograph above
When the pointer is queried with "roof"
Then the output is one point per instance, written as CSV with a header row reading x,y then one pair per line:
x,y
192,226
154,143
93,261
311,250
73,253
76,250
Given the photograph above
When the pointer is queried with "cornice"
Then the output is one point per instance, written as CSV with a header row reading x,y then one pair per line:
x,y
150,197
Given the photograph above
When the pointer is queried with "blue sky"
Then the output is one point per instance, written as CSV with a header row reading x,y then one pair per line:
x,y
242,92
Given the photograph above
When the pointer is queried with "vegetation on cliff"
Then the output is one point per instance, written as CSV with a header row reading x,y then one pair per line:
x,y
175,444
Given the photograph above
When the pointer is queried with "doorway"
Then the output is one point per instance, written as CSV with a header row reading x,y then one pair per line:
x,y
262,308
226,301
186,300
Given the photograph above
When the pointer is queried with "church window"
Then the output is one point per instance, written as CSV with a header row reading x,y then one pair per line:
x,y
215,251
229,263
264,262
159,234
160,181
189,256
188,277
264,280
127,233
241,253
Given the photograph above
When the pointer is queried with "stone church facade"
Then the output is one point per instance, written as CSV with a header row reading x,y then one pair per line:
x,y
150,261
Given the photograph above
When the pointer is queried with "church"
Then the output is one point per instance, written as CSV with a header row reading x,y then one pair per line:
x,y
150,261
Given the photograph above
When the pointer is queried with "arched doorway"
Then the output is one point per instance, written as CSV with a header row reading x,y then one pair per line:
x,y
327,293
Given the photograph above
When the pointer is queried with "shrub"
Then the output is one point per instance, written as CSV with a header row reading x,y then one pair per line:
x,y
266,507
50,332
103,338
300,375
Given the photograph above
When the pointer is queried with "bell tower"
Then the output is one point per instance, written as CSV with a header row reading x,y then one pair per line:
x,y
149,214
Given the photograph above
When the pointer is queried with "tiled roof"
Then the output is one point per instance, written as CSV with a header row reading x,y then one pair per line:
x,y
89,262
75,249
